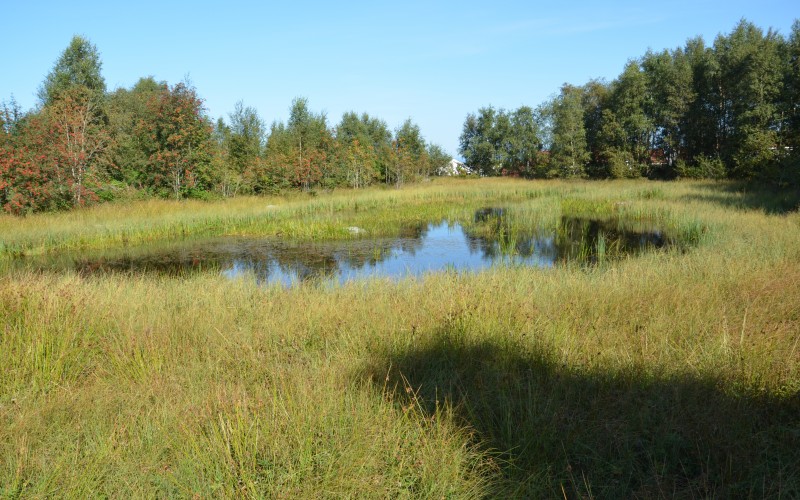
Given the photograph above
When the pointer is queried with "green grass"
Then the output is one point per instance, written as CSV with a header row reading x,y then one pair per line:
x,y
668,374
380,211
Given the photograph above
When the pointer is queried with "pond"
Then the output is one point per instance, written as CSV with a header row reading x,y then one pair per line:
x,y
435,247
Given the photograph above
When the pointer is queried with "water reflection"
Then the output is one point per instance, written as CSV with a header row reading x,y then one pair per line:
x,y
489,214
422,249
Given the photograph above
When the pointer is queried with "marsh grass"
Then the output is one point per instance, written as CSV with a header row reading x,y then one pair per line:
x,y
672,373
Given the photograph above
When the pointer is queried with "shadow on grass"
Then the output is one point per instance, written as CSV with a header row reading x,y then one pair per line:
x,y
746,196
561,431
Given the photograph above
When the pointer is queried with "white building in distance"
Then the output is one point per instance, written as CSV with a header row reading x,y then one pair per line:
x,y
455,167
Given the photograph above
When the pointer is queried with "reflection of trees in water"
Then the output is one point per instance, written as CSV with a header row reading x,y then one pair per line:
x,y
522,245
504,239
489,214
167,264
262,258
575,239
326,260
591,240
270,259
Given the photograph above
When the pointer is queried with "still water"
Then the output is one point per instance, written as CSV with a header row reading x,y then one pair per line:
x,y
435,247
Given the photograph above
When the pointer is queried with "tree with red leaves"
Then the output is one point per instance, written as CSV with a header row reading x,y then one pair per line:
x,y
179,141
297,154
53,159
28,180
78,142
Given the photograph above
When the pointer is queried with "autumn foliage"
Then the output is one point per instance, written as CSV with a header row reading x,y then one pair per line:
x,y
177,140
54,158
84,145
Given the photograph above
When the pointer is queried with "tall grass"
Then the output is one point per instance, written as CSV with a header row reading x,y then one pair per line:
x,y
380,211
667,374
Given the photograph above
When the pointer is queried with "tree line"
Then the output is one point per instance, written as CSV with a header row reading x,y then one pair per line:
x,y
83,144
726,110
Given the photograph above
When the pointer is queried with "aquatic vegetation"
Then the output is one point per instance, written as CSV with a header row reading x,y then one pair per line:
x,y
667,373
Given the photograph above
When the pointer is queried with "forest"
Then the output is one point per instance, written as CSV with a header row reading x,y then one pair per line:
x,y
83,144
730,109
726,110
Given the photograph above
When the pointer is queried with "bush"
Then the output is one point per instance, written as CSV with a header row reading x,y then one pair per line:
x,y
202,194
111,191
783,173
704,167
622,165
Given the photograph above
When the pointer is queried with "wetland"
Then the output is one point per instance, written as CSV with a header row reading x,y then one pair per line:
x,y
419,250
528,339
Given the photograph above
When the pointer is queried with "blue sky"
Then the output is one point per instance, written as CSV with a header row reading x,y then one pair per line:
x,y
433,62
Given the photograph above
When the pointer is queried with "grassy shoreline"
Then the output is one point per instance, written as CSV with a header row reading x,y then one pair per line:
x,y
383,212
667,374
